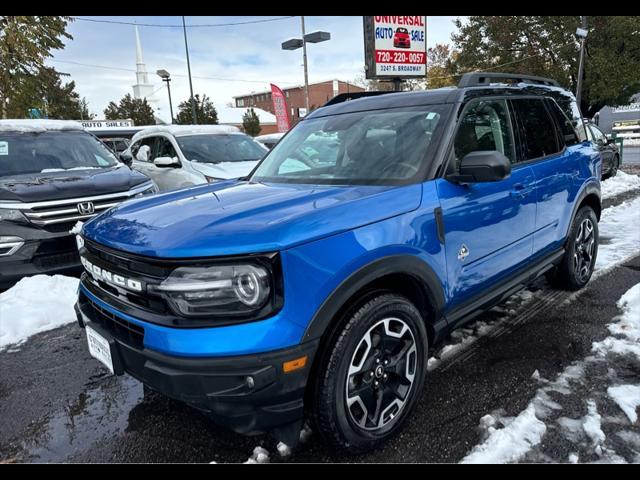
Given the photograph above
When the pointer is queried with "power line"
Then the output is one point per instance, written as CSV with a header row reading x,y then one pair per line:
x,y
106,67
200,25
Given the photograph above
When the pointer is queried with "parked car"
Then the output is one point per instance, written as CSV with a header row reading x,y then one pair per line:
x,y
401,38
321,285
52,174
269,140
117,145
609,150
177,156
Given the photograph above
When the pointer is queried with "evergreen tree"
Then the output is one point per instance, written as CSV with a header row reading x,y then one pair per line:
x,y
136,109
251,123
206,113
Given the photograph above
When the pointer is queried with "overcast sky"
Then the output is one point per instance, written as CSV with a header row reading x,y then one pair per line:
x,y
238,59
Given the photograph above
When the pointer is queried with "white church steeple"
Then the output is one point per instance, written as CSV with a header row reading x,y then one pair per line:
x,y
142,89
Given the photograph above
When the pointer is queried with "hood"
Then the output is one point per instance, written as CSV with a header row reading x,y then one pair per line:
x,y
57,185
238,217
225,170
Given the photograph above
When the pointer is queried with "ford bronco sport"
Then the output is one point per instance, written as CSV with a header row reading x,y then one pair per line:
x,y
319,284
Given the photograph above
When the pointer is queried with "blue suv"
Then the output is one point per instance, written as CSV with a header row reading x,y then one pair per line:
x,y
318,285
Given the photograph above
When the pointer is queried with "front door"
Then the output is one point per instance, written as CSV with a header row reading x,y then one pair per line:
x,y
488,226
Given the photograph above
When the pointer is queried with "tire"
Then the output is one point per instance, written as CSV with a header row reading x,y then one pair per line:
x,y
580,256
614,167
396,376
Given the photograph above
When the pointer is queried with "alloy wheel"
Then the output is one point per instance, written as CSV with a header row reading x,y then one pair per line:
x,y
584,249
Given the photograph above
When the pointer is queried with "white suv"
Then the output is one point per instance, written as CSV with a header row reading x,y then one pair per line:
x,y
176,156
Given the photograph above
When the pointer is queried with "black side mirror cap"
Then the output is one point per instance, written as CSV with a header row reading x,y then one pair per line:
x,y
126,159
482,166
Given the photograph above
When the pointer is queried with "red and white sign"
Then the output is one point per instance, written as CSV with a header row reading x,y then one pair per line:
x,y
280,108
400,46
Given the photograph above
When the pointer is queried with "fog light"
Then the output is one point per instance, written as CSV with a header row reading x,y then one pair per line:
x,y
10,245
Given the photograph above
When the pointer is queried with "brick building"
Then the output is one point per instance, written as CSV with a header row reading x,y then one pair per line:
x,y
319,94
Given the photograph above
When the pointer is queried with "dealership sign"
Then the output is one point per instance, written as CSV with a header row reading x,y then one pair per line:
x,y
395,46
280,108
106,123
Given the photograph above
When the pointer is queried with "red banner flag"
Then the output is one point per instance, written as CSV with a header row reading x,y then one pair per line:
x,y
280,108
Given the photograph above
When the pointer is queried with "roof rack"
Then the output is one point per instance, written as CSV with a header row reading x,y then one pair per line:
x,y
343,97
474,79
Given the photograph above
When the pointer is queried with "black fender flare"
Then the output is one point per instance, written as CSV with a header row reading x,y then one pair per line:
x,y
592,188
394,264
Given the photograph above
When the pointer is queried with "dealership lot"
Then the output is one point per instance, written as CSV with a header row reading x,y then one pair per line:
x,y
59,404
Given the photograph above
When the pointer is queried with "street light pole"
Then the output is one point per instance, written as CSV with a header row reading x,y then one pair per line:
x,y
582,33
306,74
186,47
166,77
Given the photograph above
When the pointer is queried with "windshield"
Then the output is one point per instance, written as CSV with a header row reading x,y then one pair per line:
x,y
375,147
220,148
48,152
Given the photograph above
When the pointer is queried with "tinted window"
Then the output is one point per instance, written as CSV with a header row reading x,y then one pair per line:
x,y
220,148
485,126
24,153
569,135
165,148
371,147
538,130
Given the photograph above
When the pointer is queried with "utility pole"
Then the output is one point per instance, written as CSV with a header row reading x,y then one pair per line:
x,y
582,33
186,47
306,74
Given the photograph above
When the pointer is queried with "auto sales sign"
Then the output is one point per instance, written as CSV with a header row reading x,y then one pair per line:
x,y
395,46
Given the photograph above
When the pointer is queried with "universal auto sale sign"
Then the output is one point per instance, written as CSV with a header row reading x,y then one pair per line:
x,y
396,46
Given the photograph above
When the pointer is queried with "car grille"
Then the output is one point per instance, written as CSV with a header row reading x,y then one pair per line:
x,y
61,215
121,329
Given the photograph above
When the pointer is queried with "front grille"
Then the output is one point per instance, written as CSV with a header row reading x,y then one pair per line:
x,y
121,329
67,212
59,260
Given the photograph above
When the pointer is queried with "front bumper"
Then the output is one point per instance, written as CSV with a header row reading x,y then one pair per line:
x,y
247,393
42,253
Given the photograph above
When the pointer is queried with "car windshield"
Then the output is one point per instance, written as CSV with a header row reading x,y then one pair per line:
x,y
392,146
220,148
52,151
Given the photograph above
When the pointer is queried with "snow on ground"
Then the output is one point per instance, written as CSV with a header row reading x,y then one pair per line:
x,y
510,443
619,235
259,455
36,304
621,183
520,438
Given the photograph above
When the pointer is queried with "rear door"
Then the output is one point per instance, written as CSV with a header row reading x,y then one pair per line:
x,y
488,226
554,165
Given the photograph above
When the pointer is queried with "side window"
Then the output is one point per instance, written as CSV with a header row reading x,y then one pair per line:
x,y
144,152
165,148
485,126
537,128
569,135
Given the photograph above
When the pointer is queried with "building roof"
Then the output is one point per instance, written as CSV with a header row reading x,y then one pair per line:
x,y
262,92
233,115
38,125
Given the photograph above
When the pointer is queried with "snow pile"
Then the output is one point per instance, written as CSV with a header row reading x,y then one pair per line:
x,y
77,228
619,235
592,425
259,455
621,183
626,328
38,126
628,399
511,443
36,304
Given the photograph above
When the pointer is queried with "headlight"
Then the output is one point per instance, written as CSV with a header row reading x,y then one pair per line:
x,y
213,179
148,191
242,290
6,214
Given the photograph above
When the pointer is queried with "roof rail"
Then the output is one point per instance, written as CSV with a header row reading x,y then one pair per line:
x,y
343,97
474,79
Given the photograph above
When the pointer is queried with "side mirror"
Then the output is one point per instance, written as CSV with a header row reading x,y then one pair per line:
x,y
482,166
126,158
167,162
611,141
